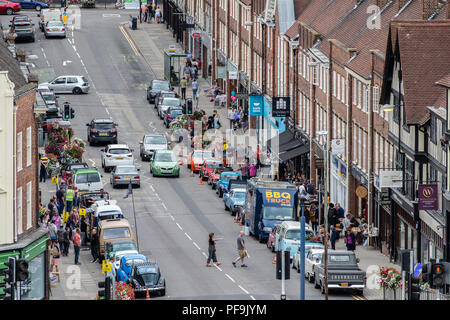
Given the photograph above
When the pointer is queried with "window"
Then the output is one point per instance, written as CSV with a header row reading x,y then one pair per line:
x,y
19,151
60,81
334,83
375,98
29,158
343,89
366,99
354,92
409,179
433,175
338,86
72,80
19,210
359,94
29,197
300,63
433,129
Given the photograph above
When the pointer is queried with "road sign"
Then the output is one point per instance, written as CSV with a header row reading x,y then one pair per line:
x,y
417,269
82,211
196,35
55,180
106,266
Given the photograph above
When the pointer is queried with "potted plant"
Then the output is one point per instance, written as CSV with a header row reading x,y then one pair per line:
x,y
124,291
389,279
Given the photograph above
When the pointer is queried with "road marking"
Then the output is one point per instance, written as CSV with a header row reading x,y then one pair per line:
x,y
164,205
111,15
74,48
218,267
252,297
196,245
188,236
205,255
230,277
173,219
133,47
106,109
78,55
242,288
179,226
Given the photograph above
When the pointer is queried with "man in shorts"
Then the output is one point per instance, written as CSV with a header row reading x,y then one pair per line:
x,y
241,250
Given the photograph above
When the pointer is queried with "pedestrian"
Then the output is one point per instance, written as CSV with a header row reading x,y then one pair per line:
x,y
56,254
242,250
52,231
187,72
83,230
60,234
77,245
332,216
94,245
212,250
252,170
333,237
309,188
183,84
70,194
313,213
57,220
51,208
217,124
350,240
60,199
231,117
66,241
340,211
148,12
346,222
194,88
244,170
45,219
144,13
216,89
43,169
158,15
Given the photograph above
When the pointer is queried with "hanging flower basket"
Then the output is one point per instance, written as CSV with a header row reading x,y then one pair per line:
x,y
389,279
124,291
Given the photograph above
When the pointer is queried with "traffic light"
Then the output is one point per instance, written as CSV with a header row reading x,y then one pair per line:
x,y
9,275
21,270
438,274
72,113
413,288
101,284
106,292
189,106
66,111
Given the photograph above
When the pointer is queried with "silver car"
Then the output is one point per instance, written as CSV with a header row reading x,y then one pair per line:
x,y
68,84
55,29
164,94
123,175
165,104
150,143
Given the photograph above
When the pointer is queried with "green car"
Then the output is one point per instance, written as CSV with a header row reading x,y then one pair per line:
x,y
164,163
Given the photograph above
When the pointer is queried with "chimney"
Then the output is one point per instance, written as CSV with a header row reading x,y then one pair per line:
x,y
21,55
429,7
33,78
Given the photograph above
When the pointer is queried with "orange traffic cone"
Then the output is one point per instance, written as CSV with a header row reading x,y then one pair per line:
x,y
274,259
201,179
236,218
148,296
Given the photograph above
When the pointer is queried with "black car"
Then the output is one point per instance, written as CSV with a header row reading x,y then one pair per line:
x,y
102,130
23,30
69,167
147,275
155,87
162,94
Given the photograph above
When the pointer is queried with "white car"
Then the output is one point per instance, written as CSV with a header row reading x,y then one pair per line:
x,y
115,155
313,258
68,84
107,209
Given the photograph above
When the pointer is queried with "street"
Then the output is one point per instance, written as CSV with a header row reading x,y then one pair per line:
x,y
174,215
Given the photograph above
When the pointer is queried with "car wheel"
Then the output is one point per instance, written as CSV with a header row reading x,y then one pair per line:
x,y
310,278
114,186
226,208
9,11
33,39
163,292
38,8
76,90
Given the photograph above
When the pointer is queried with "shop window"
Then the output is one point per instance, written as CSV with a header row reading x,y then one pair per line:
x,y
402,235
433,129
34,287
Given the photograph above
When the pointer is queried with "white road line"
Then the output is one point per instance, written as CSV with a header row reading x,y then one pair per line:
x,y
243,289
205,255
230,277
82,63
218,268
173,219
106,109
78,55
74,48
252,297
196,245
151,187
179,226
164,206
188,236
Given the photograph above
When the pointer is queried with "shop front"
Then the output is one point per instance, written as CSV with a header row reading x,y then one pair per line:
x,y
205,55
338,188
359,190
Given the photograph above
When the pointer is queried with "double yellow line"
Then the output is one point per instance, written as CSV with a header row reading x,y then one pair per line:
x,y
136,52
358,297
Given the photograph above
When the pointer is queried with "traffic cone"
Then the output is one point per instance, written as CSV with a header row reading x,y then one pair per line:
x,y
274,259
148,296
236,218
201,179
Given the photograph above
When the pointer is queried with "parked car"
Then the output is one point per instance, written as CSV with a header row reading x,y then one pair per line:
x,y
165,104
171,114
50,98
225,177
208,166
145,276
150,143
31,4
68,168
55,29
343,272
234,200
24,30
164,94
310,259
87,179
214,176
164,163
124,174
50,14
155,87
197,157
69,84
115,155
111,230
126,265
288,239
272,237
102,130
9,7
120,249
21,19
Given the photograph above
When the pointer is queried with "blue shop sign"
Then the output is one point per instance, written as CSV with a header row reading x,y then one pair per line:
x,y
256,106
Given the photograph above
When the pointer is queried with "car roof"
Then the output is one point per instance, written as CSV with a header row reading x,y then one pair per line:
x,y
164,151
113,223
118,146
158,80
154,135
167,92
150,264
316,250
133,256
341,252
171,98
86,170
240,190
109,207
291,224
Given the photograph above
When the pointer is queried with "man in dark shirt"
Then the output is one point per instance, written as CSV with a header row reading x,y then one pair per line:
x,y
94,245
340,211
60,198
241,250
332,216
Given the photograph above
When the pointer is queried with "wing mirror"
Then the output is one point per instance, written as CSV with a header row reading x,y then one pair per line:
x,y
357,260
87,124
138,169
102,150
141,142
317,260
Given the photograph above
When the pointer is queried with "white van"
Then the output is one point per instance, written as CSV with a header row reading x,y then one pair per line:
x,y
87,179
46,15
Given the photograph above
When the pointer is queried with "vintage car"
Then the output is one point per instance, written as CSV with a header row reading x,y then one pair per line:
x,y
224,181
147,276
126,265
234,199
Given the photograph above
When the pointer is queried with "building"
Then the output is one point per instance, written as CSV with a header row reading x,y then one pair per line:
x,y
21,235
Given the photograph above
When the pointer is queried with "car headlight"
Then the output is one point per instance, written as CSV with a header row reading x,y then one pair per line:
x,y
157,166
267,229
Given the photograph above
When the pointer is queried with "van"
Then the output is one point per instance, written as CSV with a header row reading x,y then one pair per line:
x,y
47,15
288,238
104,210
87,179
111,230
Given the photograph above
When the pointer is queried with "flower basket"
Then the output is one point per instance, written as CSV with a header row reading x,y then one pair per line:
x,y
124,291
389,279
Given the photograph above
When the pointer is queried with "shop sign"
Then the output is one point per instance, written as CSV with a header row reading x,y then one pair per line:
x,y
232,75
391,179
256,106
361,192
338,146
428,197
196,35
281,106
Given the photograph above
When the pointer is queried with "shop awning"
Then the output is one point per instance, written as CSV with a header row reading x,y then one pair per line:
x,y
294,152
288,146
281,140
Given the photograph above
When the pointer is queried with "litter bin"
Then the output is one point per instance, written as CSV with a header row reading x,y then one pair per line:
x,y
133,23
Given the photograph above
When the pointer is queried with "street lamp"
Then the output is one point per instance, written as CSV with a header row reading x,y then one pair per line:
x,y
324,133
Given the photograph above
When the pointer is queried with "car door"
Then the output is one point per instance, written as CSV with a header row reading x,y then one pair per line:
x,y
72,82
308,265
58,85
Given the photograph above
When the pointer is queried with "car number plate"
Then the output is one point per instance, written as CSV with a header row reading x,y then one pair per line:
x,y
344,284
55,29
103,133
127,178
119,158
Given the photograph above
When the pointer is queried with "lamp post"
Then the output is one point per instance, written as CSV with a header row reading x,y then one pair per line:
x,y
324,134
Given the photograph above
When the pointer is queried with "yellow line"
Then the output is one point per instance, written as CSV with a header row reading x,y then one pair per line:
x,y
357,297
136,52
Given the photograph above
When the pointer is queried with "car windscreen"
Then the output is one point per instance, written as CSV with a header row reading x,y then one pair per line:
x,y
116,233
168,95
160,85
155,140
176,112
293,234
171,102
122,246
203,154
119,151
103,125
150,278
120,170
316,256
338,258
214,165
278,213
239,195
165,157
82,178
130,262
93,177
227,177
55,24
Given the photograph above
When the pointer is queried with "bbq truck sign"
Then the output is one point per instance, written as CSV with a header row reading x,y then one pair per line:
x,y
278,197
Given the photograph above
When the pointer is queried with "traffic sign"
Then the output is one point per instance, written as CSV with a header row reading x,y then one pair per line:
x,y
196,35
55,180
106,266
417,269
82,211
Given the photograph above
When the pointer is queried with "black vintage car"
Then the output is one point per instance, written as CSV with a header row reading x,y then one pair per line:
x,y
147,276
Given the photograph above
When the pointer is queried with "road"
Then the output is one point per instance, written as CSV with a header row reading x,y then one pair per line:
x,y
174,215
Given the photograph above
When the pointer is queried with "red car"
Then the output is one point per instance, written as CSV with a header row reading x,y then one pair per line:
x,y
9,7
209,166
196,159
272,237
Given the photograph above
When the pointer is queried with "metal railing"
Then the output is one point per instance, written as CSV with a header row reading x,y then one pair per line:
x,y
433,295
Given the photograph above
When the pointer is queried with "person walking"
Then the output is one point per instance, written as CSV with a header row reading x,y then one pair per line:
x,y
52,231
183,84
60,235
231,116
77,246
333,237
94,245
143,12
66,241
242,250
158,15
194,88
212,250
56,254
350,240
340,211
187,72
70,194
43,169
83,230
244,170
332,216
216,89
217,124
57,221
45,219
60,199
